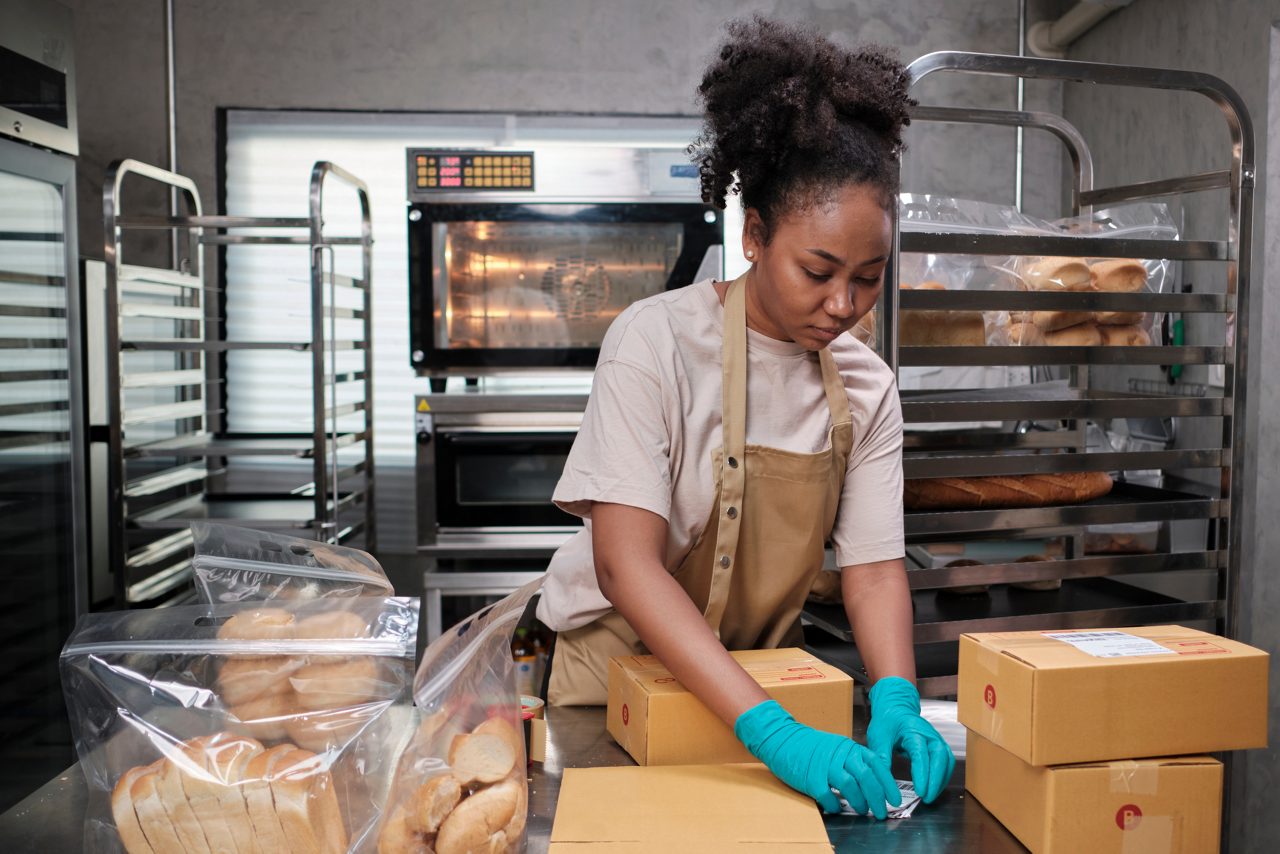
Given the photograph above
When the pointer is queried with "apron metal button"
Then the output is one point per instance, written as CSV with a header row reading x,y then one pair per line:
x,y
733,462
724,561
732,512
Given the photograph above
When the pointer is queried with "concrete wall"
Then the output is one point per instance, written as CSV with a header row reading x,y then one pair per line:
x,y
598,56
1138,136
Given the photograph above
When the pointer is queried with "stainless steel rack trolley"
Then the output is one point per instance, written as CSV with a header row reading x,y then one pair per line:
x,y
158,454
1090,595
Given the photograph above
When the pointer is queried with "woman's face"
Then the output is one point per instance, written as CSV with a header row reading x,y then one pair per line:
x,y
821,272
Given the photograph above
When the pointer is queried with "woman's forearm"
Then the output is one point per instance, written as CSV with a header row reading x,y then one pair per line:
x,y
878,602
633,577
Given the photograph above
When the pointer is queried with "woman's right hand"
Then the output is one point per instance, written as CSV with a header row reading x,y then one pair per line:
x,y
815,762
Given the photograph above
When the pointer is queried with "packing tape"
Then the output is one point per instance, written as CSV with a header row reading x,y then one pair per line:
x,y
1134,778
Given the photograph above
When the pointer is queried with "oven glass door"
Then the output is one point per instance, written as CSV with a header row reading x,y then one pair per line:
x,y
537,285
500,479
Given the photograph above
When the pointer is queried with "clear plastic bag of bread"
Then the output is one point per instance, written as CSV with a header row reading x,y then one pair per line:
x,y
1129,328
216,728
234,564
461,785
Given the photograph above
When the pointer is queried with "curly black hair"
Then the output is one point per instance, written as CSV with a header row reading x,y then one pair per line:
x,y
791,117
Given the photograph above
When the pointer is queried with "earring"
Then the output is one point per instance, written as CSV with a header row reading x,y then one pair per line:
x,y
751,253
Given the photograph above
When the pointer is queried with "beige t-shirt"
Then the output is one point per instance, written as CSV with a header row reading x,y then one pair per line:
x,y
653,420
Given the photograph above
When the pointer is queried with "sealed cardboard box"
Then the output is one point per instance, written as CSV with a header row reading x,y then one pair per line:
x,y
1164,806
658,722
1053,698
709,809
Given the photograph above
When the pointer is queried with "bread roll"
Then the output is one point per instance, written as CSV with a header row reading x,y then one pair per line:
x,y
1058,274
264,718
1119,318
1124,336
151,813
932,328
1081,335
476,819
332,625
481,758
322,730
433,802
1050,321
1119,274
242,680
131,835
1028,490
1025,334
931,286
965,589
259,624
1040,585
335,684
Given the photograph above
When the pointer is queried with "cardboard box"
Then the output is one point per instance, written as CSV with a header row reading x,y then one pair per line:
x,y
709,809
658,722
1162,806
1112,693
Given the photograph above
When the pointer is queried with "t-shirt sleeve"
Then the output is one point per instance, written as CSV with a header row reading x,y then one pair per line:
x,y
868,524
622,451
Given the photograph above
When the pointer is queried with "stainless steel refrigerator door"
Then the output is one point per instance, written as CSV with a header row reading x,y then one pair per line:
x,y
42,544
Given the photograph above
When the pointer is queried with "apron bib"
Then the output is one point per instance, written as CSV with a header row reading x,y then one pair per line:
x,y
772,514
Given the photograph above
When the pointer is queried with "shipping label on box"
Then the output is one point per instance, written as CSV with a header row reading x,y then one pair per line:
x,y
1059,697
658,722
1167,805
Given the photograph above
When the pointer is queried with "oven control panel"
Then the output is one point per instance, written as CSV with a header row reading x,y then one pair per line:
x,y
436,170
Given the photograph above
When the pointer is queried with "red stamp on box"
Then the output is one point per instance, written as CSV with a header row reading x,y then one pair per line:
x,y
1195,647
989,696
626,715
1128,817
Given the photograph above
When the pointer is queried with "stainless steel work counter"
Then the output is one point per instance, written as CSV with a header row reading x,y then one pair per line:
x,y
52,818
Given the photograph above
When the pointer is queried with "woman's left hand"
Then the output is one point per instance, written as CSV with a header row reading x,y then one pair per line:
x,y
896,723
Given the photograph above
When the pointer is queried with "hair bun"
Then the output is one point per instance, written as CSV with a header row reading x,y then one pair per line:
x,y
777,89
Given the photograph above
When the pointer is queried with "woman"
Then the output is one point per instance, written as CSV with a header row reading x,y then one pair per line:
x,y
734,427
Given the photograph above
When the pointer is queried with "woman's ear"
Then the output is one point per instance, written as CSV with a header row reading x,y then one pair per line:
x,y
753,232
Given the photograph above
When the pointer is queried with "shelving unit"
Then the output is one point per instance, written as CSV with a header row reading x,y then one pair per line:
x,y
160,460
1093,592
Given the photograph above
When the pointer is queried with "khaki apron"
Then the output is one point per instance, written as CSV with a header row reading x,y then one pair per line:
x,y
772,513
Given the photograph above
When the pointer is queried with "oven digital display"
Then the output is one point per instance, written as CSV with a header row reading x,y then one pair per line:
x,y
433,170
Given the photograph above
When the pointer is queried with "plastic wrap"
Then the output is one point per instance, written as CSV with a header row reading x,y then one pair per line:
x,y
234,564
215,727
461,783
1093,274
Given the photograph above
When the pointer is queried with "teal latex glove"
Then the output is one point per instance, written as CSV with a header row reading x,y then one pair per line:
x,y
815,762
896,723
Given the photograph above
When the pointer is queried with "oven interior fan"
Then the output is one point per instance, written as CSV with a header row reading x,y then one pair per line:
x,y
576,287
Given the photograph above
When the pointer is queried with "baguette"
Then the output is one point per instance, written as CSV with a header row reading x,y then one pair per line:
x,y
396,837
477,819
131,835
433,802
1058,274
504,730
1119,274
1050,321
1081,335
1125,336
481,758
1028,490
